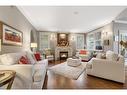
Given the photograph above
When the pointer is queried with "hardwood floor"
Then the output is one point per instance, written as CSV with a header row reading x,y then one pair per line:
x,y
54,81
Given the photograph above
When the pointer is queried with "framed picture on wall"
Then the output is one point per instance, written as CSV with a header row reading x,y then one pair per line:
x,y
11,36
106,42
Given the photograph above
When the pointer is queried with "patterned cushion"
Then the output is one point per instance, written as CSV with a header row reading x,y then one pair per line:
x,y
24,60
37,56
82,52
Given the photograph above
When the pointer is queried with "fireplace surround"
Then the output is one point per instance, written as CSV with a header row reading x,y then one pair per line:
x,y
62,49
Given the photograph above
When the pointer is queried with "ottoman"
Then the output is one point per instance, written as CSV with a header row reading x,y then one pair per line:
x,y
73,62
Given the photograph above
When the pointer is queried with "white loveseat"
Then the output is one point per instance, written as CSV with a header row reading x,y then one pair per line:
x,y
28,76
84,57
109,68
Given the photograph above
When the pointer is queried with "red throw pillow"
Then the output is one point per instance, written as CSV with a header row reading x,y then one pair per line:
x,y
23,60
37,56
83,52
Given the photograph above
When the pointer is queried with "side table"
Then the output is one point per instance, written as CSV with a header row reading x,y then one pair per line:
x,y
7,77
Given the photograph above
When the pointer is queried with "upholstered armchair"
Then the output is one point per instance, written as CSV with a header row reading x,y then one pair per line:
x,y
111,68
49,54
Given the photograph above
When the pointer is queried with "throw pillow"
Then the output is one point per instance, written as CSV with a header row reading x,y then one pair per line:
x,y
99,55
110,55
37,56
23,60
82,52
3,59
103,56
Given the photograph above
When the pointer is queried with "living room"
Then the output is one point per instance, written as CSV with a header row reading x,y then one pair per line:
x,y
43,49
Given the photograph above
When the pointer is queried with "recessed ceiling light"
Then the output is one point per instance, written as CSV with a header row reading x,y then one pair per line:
x,y
76,12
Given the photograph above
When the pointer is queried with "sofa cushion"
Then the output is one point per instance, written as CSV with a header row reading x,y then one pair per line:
x,y
10,58
14,57
111,56
121,59
23,60
99,55
3,59
31,58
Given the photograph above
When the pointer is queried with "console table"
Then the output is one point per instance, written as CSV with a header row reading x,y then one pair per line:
x,y
7,77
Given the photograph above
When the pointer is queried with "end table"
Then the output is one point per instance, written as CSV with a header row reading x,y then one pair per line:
x,y
7,77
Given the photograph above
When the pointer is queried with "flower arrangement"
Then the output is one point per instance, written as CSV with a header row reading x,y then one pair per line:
x,y
124,44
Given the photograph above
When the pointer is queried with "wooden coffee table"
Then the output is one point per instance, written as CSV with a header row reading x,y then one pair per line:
x,y
7,77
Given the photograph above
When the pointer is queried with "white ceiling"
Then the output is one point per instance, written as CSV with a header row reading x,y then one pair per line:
x,y
69,19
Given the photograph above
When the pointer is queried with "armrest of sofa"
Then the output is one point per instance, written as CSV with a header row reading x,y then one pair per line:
x,y
40,69
24,70
106,69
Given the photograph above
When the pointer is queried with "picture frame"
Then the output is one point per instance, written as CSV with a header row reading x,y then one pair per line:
x,y
10,35
106,42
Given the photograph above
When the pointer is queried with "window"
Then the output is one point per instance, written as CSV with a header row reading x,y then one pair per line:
x,y
90,42
94,40
43,41
80,42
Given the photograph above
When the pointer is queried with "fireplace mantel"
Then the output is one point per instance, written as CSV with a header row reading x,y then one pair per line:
x,y
60,49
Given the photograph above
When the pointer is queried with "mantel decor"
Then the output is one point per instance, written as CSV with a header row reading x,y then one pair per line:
x,y
10,35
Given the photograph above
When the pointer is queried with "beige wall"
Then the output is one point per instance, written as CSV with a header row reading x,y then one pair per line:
x,y
13,17
109,29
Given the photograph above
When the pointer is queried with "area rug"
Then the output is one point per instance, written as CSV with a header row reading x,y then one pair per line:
x,y
68,71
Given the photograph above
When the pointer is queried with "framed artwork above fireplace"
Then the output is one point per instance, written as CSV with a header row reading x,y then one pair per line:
x,y
62,39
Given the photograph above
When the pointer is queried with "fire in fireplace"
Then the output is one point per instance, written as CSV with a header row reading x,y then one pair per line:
x,y
63,55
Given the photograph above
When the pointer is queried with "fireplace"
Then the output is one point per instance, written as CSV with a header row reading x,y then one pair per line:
x,y
63,55
62,49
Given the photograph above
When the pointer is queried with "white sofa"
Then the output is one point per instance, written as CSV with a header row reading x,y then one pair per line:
x,y
109,68
84,57
28,76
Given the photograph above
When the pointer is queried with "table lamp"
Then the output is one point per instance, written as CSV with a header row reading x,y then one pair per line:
x,y
33,46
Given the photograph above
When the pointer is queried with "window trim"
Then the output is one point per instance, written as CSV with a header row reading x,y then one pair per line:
x,y
42,34
83,41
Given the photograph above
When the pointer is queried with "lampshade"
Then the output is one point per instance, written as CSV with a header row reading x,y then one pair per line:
x,y
33,45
